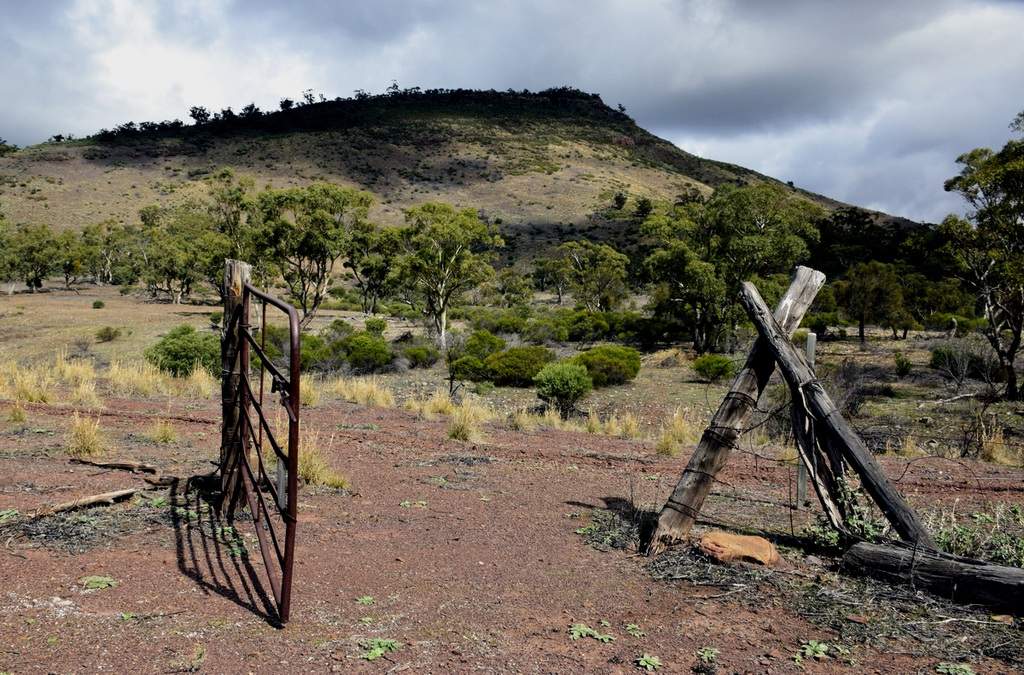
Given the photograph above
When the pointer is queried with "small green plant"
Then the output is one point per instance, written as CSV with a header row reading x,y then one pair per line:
x,y
903,365
98,304
7,514
813,649
634,630
97,583
954,669
128,616
708,654
563,385
378,647
365,600
367,620
713,367
582,630
108,334
648,662
215,318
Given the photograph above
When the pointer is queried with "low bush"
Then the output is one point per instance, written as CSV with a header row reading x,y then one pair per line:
x,y
98,304
421,356
609,365
182,349
713,367
108,334
563,385
516,367
376,326
367,353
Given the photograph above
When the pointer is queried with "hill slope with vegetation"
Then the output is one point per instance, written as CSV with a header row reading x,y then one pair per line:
x,y
545,165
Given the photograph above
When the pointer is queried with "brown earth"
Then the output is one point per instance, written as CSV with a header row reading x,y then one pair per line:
x,y
472,554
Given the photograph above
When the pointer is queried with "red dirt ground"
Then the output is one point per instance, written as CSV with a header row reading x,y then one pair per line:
x,y
486,576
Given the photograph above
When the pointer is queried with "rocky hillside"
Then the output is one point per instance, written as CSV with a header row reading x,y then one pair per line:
x,y
545,166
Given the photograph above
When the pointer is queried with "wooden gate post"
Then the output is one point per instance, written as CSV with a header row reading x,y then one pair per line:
x,y
233,449
682,508
830,424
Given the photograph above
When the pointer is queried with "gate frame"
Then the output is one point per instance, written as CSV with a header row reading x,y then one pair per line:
x,y
240,435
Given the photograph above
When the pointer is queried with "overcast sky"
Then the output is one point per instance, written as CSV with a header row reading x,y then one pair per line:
x,y
866,101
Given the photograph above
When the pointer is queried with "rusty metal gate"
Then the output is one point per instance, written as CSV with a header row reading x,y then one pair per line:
x,y
270,495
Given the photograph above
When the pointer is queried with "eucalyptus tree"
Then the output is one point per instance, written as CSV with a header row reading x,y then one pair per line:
x,y
987,246
305,231
447,252
707,246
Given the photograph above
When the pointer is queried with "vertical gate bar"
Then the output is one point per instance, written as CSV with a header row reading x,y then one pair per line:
x,y
293,465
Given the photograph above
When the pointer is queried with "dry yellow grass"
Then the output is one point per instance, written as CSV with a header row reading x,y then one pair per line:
x,y
163,432
313,466
84,395
369,392
466,420
135,379
439,403
16,415
74,371
32,384
522,419
200,384
679,430
309,393
84,437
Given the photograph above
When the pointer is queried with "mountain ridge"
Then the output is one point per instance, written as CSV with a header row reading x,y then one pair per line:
x,y
545,166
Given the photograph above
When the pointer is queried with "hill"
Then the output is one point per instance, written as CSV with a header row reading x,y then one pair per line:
x,y
545,166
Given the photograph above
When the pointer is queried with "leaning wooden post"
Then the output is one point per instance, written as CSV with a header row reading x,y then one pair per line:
x,y
830,423
233,353
682,508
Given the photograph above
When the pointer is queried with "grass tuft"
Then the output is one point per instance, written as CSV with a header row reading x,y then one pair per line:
x,y
84,437
679,430
313,466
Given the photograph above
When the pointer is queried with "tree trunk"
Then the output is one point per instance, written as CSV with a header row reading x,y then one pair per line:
x,y
962,579
682,508
831,424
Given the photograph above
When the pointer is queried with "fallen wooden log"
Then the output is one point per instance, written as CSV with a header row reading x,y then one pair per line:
x,y
134,467
105,498
963,580
829,423
682,508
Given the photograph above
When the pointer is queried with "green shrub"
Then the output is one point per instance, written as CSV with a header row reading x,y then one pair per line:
x,y
903,365
215,318
482,344
563,385
367,353
107,334
376,326
182,348
713,367
608,365
516,367
98,304
539,331
467,368
421,356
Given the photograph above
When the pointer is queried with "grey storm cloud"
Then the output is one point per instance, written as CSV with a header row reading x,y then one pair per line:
x,y
867,102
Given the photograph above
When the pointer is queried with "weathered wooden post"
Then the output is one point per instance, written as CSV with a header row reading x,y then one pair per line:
x,y
829,423
234,361
683,506
801,466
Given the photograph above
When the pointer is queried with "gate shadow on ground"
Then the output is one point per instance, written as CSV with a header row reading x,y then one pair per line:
x,y
213,552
